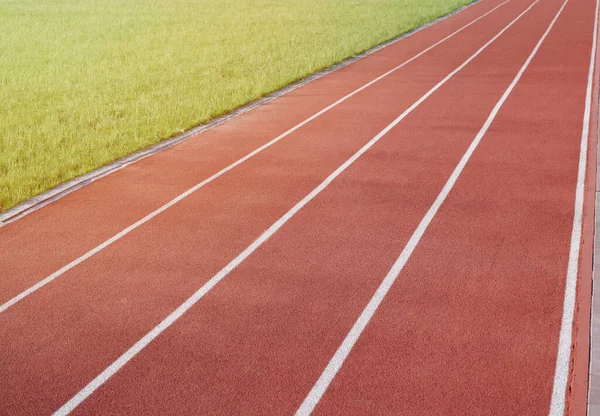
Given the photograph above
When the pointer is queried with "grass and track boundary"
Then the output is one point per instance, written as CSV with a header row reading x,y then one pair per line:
x,y
57,192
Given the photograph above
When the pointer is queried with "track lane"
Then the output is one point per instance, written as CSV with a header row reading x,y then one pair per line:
x,y
261,295
494,277
80,221
107,303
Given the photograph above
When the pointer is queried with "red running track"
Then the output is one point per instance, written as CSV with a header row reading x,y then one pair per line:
x,y
459,175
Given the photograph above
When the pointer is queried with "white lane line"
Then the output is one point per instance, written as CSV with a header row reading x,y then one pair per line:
x,y
183,308
563,357
175,200
336,362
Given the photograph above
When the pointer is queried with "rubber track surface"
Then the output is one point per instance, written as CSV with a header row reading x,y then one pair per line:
x,y
471,326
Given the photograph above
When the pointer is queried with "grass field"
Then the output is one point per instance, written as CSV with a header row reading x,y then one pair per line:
x,y
84,82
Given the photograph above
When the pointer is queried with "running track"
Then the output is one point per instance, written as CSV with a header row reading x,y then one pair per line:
x,y
400,236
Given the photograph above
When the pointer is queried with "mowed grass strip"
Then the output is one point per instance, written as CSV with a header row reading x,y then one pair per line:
x,y
85,82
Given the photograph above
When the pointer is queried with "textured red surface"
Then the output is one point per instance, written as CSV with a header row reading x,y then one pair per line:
x,y
470,327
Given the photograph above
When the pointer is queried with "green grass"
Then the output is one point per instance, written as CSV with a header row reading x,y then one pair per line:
x,y
84,82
